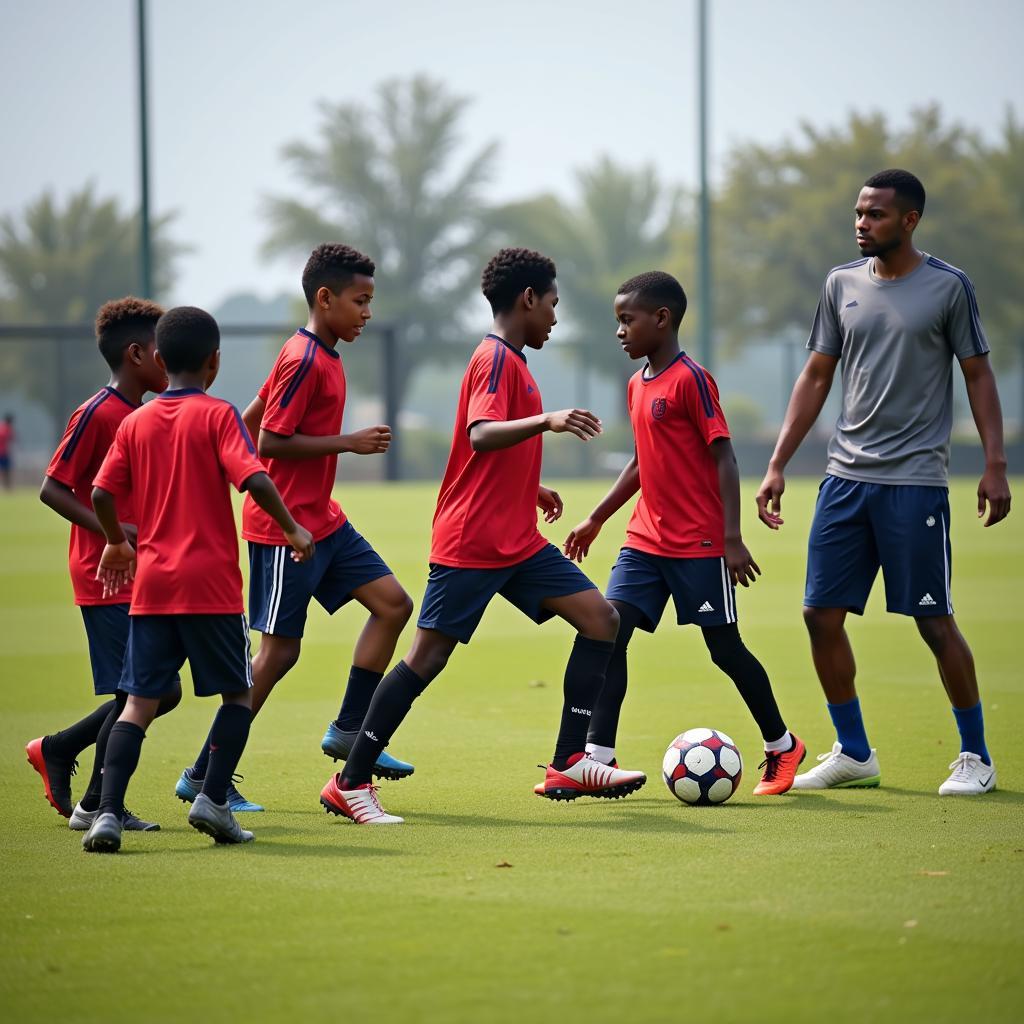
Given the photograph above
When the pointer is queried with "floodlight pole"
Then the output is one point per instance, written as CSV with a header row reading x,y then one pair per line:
x,y
706,320
145,244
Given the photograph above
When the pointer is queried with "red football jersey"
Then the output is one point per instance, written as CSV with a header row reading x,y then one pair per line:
x,y
177,456
86,441
675,417
304,394
486,514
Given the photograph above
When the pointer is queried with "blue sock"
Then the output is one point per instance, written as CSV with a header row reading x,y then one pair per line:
x,y
972,731
850,729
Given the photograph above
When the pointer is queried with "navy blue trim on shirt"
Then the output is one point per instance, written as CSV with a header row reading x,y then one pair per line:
x,y
304,367
180,392
977,337
333,353
518,351
702,386
117,394
243,430
647,380
849,266
497,365
83,421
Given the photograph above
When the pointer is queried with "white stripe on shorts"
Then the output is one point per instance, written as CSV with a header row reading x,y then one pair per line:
x,y
727,595
945,564
248,652
276,589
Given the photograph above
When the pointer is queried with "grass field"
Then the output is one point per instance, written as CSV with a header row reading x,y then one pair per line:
x,y
493,905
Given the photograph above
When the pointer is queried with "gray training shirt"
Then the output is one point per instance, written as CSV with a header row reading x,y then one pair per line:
x,y
897,340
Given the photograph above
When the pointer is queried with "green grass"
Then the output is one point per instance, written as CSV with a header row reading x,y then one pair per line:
x,y
863,906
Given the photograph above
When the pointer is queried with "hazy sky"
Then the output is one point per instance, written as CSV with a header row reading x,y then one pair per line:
x,y
556,82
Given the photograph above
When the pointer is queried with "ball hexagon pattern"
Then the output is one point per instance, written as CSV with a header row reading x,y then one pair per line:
x,y
702,766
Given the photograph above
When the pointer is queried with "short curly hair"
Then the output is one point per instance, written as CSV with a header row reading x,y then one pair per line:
x,y
907,187
123,321
333,265
511,272
655,289
186,337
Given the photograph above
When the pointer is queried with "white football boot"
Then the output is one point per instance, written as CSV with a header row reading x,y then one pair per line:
x,y
971,776
836,770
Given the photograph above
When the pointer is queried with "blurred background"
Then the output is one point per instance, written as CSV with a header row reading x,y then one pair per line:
x,y
431,135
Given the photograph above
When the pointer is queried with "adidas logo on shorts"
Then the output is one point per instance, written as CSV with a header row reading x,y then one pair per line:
x,y
926,600
705,607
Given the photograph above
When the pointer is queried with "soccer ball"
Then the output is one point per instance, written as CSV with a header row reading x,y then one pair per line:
x,y
702,766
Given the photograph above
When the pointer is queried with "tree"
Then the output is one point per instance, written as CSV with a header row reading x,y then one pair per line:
x,y
58,265
386,180
621,223
784,216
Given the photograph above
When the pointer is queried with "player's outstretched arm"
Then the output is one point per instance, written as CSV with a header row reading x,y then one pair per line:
x,y
994,488
493,435
267,496
371,441
117,563
809,394
577,544
738,560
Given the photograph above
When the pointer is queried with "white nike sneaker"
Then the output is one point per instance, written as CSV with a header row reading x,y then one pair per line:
x,y
839,771
970,777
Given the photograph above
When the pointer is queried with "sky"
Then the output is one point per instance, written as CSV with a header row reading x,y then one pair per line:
x,y
556,83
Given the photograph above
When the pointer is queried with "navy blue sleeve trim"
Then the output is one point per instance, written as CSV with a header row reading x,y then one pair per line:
x,y
977,336
497,365
242,430
82,423
300,374
702,387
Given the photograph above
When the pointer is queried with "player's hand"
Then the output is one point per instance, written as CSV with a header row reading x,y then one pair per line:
x,y
371,441
131,531
743,570
769,499
581,422
994,488
550,503
577,544
116,568
302,544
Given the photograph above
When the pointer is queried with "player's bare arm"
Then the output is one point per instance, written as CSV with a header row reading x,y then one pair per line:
x,y
550,503
117,563
805,403
577,544
738,560
267,496
62,500
993,488
253,416
493,435
370,441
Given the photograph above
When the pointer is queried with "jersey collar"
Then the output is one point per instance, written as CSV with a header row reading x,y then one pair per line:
x,y
180,392
117,394
332,352
511,348
647,366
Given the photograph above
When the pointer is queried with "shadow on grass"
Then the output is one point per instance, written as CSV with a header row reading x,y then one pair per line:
x,y
669,820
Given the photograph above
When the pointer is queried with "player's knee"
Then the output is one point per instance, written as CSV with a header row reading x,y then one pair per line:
x,y
279,658
723,644
604,624
937,631
822,623
169,701
401,610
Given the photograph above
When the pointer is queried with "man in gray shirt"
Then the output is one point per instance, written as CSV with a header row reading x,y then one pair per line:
x,y
896,318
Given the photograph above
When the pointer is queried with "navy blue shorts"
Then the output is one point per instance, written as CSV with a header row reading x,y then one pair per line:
x,y
106,626
280,590
859,527
455,599
700,588
215,646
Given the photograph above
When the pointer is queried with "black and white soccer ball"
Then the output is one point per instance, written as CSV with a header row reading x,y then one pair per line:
x,y
702,766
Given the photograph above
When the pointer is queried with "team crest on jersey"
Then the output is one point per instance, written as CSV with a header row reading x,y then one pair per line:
x,y
658,408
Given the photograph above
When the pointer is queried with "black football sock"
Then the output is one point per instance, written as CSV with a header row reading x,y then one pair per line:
x,y
584,677
198,770
228,734
70,742
362,684
123,748
604,724
730,654
388,708
91,798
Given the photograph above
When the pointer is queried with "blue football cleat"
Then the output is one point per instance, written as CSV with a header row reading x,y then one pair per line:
x,y
188,788
338,744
